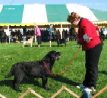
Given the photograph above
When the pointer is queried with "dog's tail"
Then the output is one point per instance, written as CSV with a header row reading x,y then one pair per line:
x,y
10,73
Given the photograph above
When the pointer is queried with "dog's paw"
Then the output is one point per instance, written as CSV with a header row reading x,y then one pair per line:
x,y
46,88
18,90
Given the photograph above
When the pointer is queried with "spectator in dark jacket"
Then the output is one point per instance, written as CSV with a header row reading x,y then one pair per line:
x,y
51,33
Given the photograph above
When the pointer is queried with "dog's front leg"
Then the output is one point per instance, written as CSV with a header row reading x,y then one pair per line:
x,y
44,82
58,42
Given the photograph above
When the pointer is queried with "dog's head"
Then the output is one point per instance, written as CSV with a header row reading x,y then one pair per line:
x,y
50,58
53,55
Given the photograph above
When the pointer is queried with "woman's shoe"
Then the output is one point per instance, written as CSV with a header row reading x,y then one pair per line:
x,y
86,93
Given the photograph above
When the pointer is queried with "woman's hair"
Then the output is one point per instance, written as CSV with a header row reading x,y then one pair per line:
x,y
72,17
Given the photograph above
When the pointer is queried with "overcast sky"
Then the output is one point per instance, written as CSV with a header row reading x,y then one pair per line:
x,y
96,4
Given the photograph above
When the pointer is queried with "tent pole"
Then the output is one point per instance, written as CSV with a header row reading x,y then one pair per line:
x,y
8,28
61,31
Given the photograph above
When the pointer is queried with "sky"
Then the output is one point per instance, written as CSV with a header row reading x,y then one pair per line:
x,y
95,4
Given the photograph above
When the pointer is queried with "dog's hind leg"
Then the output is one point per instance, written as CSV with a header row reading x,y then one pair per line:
x,y
58,42
44,82
65,44
17,81
10,73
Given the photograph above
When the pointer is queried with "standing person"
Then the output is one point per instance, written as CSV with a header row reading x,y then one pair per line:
x,y
38,35
51,31
89,38
8,34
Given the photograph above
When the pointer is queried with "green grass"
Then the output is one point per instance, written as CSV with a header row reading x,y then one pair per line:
x,y
12,53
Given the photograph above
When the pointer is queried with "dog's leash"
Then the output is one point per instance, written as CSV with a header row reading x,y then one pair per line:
x,y
73,58
65,68
46,68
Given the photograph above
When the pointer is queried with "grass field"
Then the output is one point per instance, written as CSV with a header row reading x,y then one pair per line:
x,y
74,73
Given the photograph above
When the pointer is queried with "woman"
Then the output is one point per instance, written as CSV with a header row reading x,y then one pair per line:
x,y
38,35
88,37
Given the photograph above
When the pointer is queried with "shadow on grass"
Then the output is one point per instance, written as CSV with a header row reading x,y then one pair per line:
x,y
35,81
26,46
9,83
66,80
6,83
103,72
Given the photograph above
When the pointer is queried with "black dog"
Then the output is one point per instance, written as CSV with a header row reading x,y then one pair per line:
x,y
61,41
41,69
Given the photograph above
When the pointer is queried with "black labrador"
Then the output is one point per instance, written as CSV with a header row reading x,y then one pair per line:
x,y
41,69
61,41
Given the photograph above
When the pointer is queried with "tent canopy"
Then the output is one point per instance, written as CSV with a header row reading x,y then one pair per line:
x,y
46,13
11,14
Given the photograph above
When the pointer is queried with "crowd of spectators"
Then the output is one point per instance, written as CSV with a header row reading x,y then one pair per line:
x,y
21,34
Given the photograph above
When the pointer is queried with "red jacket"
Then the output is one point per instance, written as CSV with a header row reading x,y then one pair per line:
x,y
87,27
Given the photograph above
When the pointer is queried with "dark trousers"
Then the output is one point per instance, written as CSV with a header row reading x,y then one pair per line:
x,y
38,40
92,59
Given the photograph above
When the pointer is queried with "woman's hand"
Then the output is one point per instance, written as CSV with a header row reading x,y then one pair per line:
x,y
87,38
